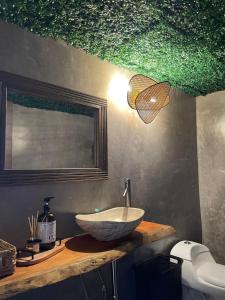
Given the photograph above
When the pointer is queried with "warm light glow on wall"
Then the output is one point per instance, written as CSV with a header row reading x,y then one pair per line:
x,y
117,91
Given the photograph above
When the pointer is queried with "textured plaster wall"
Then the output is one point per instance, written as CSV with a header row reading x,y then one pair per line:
x,y
160,159
211,165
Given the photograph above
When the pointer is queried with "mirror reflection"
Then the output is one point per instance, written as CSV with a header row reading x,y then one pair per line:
x,y
47,133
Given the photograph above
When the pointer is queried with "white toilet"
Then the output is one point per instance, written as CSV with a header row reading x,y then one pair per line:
x,y
200,271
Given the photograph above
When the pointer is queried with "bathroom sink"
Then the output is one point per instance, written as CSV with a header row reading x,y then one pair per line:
x,y
111,224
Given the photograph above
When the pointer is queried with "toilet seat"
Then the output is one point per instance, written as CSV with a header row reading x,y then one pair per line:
x,y
212,273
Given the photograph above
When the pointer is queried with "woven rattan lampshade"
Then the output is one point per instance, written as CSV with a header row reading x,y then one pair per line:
x,y
150,101
147,96
137,84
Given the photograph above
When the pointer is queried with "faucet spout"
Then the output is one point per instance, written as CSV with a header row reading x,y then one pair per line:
x,y
127,192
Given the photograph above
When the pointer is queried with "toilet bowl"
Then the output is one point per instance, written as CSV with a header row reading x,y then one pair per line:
x,y
199,269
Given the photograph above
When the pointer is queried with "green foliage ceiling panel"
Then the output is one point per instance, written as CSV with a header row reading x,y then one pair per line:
x,y
181,41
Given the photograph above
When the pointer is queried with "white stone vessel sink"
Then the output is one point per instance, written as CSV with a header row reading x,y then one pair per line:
x,y
111,224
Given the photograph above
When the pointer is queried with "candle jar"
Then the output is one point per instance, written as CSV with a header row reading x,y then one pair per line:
x,y
33,245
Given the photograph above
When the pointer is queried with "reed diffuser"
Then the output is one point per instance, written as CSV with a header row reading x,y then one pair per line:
x,y
33,243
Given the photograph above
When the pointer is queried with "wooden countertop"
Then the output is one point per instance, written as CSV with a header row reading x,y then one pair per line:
x,y
81,254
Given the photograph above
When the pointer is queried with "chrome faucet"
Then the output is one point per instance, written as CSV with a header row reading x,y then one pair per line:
x,y
127,192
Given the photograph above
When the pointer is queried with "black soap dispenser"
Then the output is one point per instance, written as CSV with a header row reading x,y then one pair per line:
x,y
47,227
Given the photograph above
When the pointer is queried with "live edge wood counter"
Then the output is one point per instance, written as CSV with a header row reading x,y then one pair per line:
x,y
81,254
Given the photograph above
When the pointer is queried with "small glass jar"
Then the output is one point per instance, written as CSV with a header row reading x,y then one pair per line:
x,y
33,245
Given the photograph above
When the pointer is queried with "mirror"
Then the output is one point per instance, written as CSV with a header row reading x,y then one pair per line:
x,y
50,133
43,134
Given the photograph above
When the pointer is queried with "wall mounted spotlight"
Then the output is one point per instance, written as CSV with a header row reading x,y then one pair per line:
x,y
147,96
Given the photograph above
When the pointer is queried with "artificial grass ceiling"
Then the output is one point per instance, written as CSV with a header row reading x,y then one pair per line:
x,y
180,41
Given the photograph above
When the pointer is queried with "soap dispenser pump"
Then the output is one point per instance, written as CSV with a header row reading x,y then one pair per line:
x,y
47,227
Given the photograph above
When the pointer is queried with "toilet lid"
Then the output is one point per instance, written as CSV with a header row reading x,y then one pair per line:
x,y
212,273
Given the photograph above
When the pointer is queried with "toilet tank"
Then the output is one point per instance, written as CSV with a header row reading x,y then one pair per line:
x,y
188,250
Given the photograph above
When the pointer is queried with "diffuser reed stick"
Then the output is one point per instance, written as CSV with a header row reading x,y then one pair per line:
x,y
33,225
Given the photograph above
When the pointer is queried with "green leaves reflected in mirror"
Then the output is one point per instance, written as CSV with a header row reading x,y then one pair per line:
x,y
19,98
50,133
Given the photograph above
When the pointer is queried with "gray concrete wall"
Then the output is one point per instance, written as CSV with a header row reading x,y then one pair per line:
x,y
160,158
211,164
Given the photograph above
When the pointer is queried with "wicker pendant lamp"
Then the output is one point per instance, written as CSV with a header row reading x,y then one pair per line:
x,y
147,96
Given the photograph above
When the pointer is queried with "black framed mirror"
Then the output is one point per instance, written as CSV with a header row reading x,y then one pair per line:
x,y
49,133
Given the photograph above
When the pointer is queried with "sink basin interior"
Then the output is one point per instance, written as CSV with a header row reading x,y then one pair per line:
x,y
117,214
